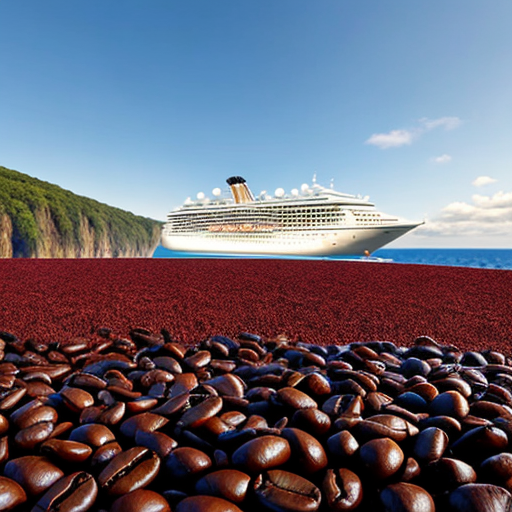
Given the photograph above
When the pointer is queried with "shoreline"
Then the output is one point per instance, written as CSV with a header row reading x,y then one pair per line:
x,y
320,302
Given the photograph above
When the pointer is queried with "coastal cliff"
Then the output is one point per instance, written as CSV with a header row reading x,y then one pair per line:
x,y
41,220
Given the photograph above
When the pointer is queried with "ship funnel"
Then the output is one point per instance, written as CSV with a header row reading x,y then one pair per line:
x,y
240,190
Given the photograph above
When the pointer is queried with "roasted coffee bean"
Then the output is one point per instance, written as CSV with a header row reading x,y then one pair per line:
x,y
454,384
295,399
286,492
200,413
449,403
69,451
76,492
32,413
185,462
146,421
11,398
348,405
141,500
342,444
11,494
382,458
160,443
384,425
142,404
343,489
35,474
430,444
307,452
173,405
410,471
479,443
447,474
4,425
31,436
76,399
262,453
229,484
313,421
4,449
498,470
449,425
480,498
198,360
130,470
405,497
105,453
93,435
411,401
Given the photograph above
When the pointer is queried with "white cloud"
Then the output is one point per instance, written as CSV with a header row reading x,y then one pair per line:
x,y
497,201
393,139
484,217
448,123
443,159
483,180
397,138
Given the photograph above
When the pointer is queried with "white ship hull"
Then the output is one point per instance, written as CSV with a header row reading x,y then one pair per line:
x,y
318,222
345,241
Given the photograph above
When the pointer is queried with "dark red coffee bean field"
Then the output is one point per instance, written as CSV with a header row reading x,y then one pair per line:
x,y
323,302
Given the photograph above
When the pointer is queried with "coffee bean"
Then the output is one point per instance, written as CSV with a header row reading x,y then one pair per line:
x,y
69,451
130,470
93,435
185,462
146,421
382,458
200,413
307,452
229,484
384,425
11,494
498,470
449,403
342,445
430,444
480,498
32,413
105,453
76,492
285,492
446,474
313,421
405,497
141,500
262,453
76,399
35,474
342,489
295,399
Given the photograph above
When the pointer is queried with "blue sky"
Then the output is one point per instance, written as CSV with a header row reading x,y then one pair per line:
x,y
142,104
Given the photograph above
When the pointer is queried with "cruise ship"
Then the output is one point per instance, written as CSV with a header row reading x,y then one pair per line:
x,y
312,221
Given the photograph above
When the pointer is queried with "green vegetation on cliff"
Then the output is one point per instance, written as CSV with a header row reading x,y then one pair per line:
x,y
23,198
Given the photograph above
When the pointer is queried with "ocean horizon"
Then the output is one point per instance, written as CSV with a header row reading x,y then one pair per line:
x,y
472,258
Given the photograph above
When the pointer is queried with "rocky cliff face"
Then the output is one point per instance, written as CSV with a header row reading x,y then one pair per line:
x,y
50,244
5,236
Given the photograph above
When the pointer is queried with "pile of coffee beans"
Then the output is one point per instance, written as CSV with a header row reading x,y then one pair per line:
x,y
146,424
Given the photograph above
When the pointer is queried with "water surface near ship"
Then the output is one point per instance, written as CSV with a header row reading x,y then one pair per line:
x,y
475,258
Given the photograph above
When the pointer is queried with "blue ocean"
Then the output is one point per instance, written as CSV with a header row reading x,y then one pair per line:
x,y
475,258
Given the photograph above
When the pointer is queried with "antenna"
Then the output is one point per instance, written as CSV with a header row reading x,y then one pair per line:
x,y
332,183
314,178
